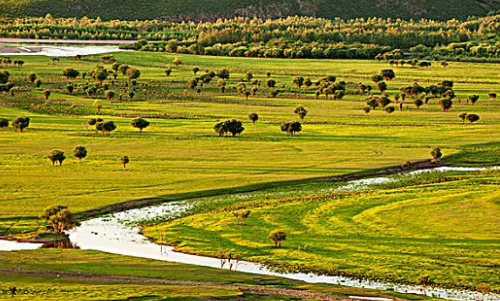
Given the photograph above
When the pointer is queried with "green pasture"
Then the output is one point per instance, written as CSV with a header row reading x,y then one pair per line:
x,y
445,228
181,153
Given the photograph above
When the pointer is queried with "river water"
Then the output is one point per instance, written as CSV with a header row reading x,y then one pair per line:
x,y
55,51
117,234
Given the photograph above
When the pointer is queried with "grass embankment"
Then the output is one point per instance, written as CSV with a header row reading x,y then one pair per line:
x,y
181,154
445,228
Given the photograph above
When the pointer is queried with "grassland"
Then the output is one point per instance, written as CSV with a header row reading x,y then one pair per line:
x,y
447,229
182,153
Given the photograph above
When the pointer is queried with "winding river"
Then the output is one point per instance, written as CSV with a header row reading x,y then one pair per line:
x,y
116,234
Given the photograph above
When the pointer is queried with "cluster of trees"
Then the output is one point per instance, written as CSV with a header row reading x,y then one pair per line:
x,y
59,217
420,94
19,123
79,152
58,156
292,37
5,85
470,118
233,126
106,127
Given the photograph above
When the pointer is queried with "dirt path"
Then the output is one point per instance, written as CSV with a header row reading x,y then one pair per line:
x,y
144,280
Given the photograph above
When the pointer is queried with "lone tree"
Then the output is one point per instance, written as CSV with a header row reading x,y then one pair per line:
x,y
46,94
99,74
220,128
291,127
139,123
271,83
56,156
243,214
70,73
436,154
60,218
248,76
133,73
177,62
32,77
473,98
445,104
253,117
388,74
80,152
301,111
223,73
463,116
109,94
4,77
20,123
4,122
471,118
382,86
105,127
492,95
372,103
277,236
377,78
93,121
125,160
192,83
298,81
235,127
70,89
418,102
97,105
390,109
195,70
123,69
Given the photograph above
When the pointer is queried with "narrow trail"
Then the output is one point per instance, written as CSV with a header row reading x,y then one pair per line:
x,y
144,280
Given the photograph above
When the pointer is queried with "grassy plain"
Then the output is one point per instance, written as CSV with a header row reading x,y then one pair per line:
x,y
374,234
182,154
445,227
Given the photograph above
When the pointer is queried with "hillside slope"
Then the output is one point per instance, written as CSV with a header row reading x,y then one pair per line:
x,y
208,10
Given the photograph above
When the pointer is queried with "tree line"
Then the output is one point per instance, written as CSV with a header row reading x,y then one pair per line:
x,y
292,37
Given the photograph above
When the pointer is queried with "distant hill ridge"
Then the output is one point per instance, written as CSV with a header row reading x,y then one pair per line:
x,y
210,10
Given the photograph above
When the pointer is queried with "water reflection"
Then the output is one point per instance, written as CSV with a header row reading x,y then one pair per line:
x,y
60,244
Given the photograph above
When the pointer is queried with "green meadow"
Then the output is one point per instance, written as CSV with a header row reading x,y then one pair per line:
x,y
447,229
181,153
